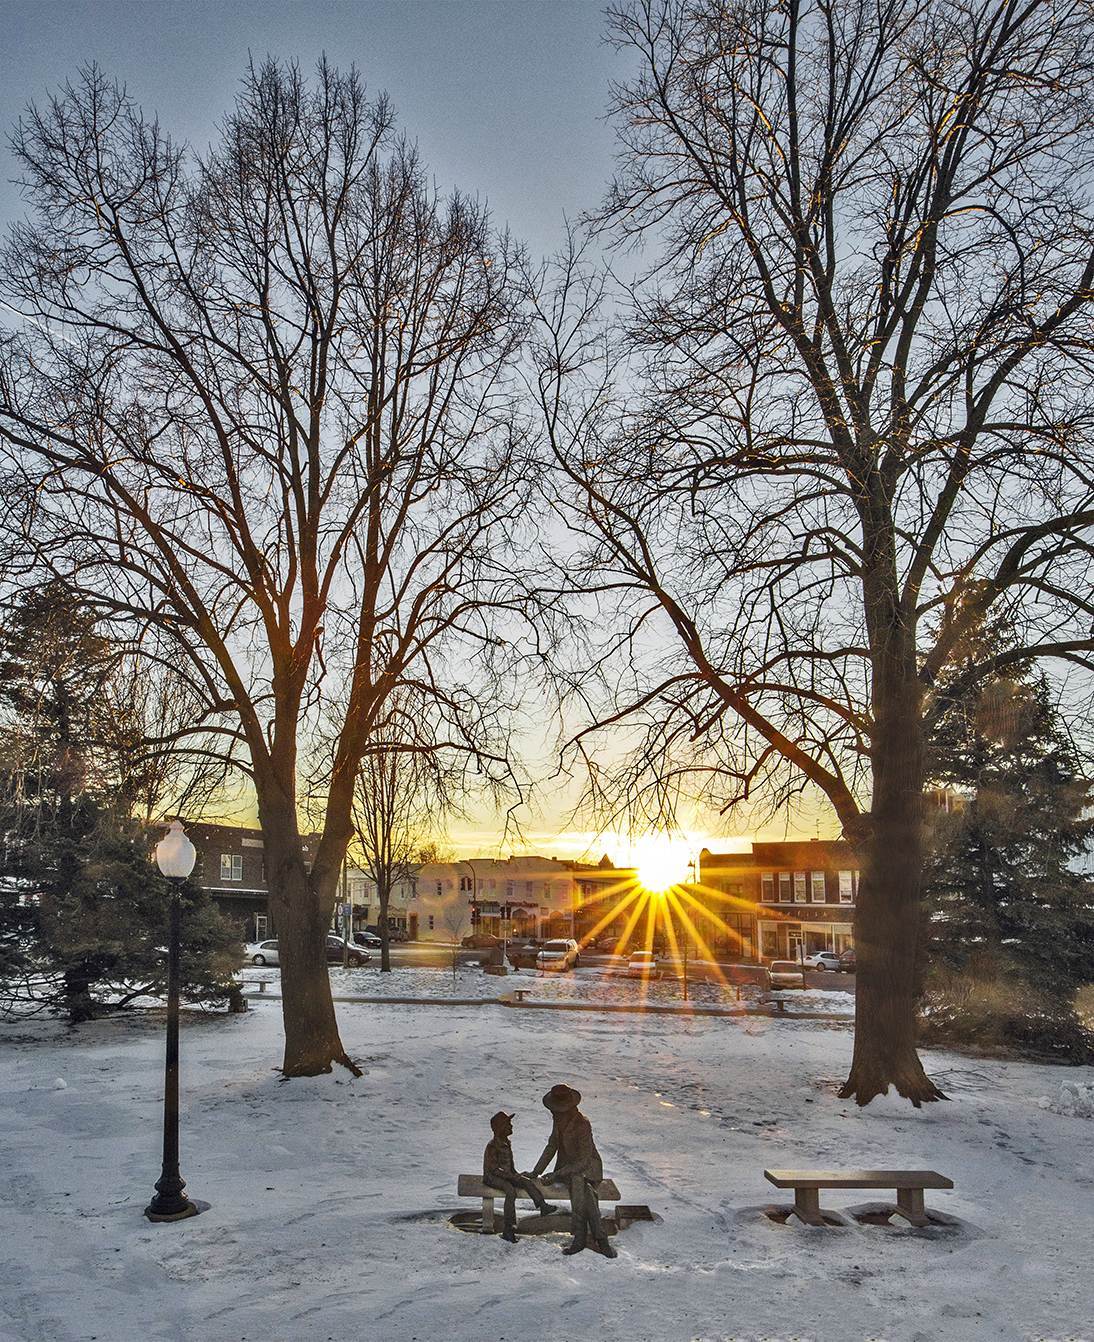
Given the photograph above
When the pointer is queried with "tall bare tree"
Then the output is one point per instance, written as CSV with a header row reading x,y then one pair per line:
x,y
259,400
851,422
413,776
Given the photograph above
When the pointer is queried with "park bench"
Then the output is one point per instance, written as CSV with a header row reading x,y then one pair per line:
x,y
515,996
909,1186
475,1186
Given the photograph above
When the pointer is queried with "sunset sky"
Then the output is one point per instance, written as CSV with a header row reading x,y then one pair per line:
x,y
505,99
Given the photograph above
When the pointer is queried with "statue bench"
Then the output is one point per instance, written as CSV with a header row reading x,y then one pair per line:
x,y
908,1185
474,1186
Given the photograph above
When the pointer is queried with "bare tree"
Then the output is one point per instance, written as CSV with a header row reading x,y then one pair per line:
x,y
408,782
259,401
851,423
456,919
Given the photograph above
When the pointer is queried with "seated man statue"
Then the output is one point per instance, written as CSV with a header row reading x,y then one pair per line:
x,y
578,1165
499,1171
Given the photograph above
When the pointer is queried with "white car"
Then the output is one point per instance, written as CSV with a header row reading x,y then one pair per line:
x,y
261,953
643,965
785,974
823,960
558,954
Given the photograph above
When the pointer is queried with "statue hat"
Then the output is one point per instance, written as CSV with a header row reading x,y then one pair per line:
x,y
499,1121
559,1099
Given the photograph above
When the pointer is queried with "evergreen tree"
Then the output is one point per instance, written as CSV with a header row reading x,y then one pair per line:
x,y
83,911
1010,912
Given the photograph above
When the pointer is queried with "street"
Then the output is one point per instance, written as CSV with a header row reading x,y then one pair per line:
x,y
426,954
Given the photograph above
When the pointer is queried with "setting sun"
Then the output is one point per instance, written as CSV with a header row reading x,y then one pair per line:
x,y
662,862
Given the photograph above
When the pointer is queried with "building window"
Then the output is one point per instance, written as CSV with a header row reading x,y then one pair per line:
x,y
784,887
818,886
801,895
231,866
846,887
767,888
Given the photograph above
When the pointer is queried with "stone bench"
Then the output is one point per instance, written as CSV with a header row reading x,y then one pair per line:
x,y
475,1186
908,1184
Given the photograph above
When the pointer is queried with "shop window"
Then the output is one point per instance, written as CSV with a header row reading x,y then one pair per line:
x,y
818,886
801,895
846,887
767,887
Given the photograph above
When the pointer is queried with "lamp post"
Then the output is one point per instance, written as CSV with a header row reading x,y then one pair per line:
x,y
175,857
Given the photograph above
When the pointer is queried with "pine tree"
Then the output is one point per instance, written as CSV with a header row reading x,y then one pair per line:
x,y
83,911
1010,922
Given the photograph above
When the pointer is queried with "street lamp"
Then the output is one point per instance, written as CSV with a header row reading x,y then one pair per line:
x,y
175,857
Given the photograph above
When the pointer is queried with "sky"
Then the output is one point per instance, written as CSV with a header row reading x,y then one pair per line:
x,y
505,98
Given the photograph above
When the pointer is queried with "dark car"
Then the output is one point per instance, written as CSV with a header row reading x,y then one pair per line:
x,y
337,951
372,935
480,941
847,961
607,945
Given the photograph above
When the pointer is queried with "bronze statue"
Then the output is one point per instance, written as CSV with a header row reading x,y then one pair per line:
x,y
579,1165
499,1171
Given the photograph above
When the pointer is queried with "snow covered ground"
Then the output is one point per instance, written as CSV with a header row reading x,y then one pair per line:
x,y
330,1196
583,985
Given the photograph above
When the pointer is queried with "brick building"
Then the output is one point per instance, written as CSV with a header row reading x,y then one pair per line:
x,y
746,907
769,901
231,868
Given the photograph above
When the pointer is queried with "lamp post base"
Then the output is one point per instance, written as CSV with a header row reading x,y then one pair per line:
x,y
190,1209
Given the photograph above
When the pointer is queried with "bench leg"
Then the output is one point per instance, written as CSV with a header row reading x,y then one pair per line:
x,y
807,1206
909,1204
488,1216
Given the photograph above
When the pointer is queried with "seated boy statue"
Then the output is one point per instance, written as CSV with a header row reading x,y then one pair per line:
x,y
499,1171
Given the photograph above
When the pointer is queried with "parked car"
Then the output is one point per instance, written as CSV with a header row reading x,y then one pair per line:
x,y
785,974
823,960
606,945
394,934
643,965
366,938
480,941
523,954
559,954
261,953
338,950
847,961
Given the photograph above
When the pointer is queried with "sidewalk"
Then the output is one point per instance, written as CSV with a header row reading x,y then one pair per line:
x,y
774,1009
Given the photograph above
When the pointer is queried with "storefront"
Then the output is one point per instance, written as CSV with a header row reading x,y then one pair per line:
x,y
781,940
517,918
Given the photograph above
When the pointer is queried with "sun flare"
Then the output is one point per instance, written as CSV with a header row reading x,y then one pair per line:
x,y
662,862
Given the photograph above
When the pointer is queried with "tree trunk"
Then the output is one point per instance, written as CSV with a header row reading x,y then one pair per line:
x,y
79,1003
302,915
384,892
887,913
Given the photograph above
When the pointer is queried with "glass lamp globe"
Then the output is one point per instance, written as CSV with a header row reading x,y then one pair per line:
x,y
175,854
